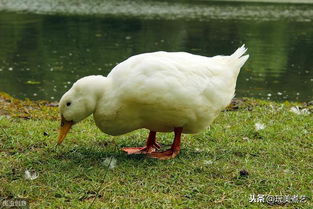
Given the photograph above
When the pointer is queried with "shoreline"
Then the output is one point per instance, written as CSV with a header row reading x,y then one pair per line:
x,y
42,109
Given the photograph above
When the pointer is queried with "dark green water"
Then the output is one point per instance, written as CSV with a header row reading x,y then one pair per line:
x,y
42,55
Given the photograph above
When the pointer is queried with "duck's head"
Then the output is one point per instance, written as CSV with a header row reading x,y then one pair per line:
x,y
77,104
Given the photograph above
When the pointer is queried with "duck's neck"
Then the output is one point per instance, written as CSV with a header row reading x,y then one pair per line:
x,y
99,87
94,89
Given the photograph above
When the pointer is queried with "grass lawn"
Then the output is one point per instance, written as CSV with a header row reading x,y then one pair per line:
x,y
218,168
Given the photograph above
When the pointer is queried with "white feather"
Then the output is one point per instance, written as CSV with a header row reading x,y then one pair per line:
x,y
30,175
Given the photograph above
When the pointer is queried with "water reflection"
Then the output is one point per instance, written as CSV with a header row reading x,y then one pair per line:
x,y
41,56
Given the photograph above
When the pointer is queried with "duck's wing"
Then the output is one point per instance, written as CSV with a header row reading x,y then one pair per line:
x,y
178,78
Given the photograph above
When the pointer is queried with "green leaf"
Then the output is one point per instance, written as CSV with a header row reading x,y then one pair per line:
x,y
32,82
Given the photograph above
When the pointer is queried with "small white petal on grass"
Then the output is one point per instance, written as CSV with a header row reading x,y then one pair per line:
x,y
198,150
295,110
110,162
207,162
276,108
259,126
305,111
5,116
286,171
30,175
299,111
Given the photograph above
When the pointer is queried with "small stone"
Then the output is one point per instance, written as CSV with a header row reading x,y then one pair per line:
x,y
208,162
244,173
58,195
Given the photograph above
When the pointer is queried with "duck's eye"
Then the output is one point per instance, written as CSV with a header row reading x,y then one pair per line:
x,y
68,104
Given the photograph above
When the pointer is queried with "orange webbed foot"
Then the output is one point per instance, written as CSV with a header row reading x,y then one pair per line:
x,y
165,155
151,146
173,151
133,150
139,150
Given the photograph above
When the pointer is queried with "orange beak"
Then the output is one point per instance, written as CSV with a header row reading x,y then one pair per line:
x,y
65,127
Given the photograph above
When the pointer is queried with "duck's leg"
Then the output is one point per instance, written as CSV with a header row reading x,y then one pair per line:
x,y
150,147
173,151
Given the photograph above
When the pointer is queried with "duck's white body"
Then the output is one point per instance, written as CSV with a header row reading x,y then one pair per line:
x,y
162,90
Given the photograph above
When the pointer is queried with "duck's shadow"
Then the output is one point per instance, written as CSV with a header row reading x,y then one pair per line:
x,y
87,157
82,158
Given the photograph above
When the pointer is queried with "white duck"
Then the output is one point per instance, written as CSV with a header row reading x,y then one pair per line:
x,y
159,91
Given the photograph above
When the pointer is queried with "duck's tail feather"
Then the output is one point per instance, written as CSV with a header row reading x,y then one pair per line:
x,y
237,60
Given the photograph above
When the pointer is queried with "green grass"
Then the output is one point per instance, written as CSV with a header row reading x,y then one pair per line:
x,y
279,160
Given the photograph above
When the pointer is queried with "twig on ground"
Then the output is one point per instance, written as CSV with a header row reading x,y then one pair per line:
x,y
100,188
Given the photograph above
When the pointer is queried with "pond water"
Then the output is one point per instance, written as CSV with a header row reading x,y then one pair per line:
x,y
41,55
